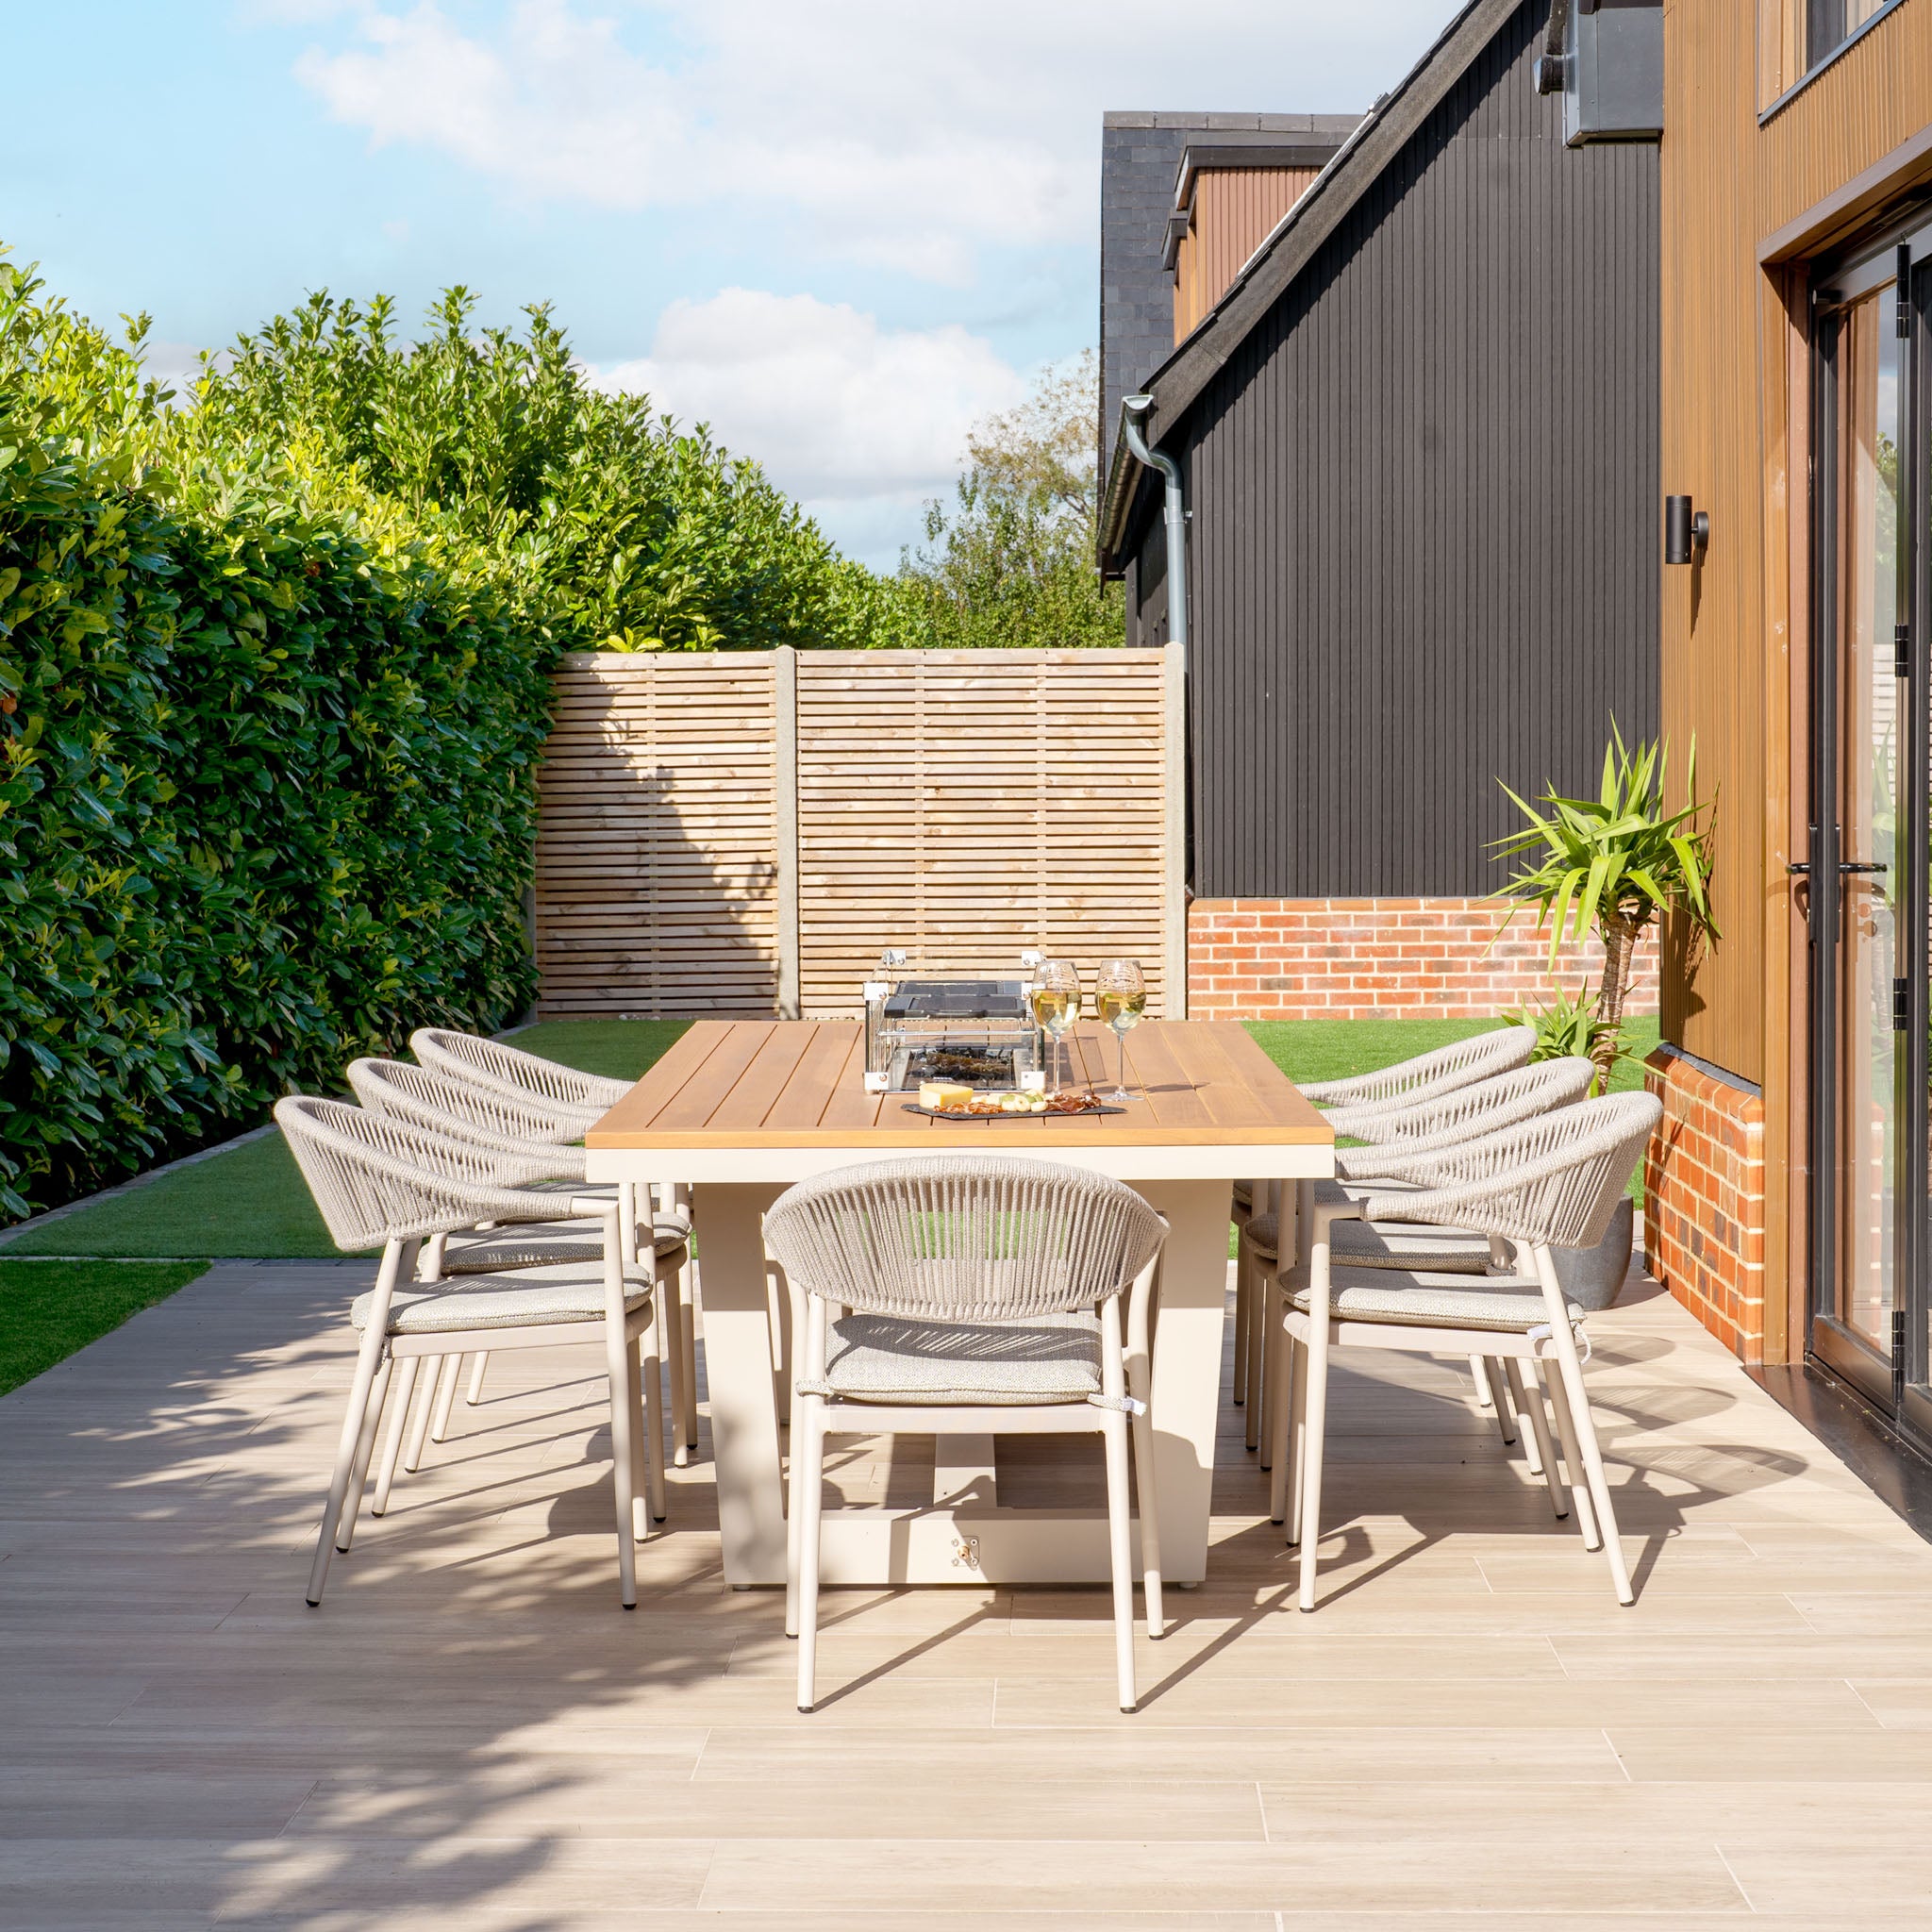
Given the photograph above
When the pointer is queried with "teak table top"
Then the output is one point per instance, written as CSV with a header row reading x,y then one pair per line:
x,y
800,1083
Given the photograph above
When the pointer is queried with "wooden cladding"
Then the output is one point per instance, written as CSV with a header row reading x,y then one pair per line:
x,y
745,832
1233,211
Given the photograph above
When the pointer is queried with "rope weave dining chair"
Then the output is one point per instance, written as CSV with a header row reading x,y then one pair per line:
x,y
1401,1135
378,1181
574,1102
1542,1185
445,1105
983,1296
519,1076
1459,1064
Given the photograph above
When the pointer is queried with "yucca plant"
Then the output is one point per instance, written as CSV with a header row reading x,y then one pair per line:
x,y
1612,864
1570,1027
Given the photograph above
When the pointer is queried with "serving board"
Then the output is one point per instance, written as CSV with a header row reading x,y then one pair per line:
x,y
1086,1113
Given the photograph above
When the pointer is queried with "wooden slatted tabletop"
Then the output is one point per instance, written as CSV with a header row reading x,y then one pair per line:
x,y
800,1083
743,1109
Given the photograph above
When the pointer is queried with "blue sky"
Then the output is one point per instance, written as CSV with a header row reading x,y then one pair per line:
x,y
841,230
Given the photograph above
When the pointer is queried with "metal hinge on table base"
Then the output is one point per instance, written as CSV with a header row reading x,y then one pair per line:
x,y
1901,650
1901,1006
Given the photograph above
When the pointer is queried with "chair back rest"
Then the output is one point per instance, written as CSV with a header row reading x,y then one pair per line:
x,y
963,1238
511,1071
1488,1106
1462,1062
429,1099
376,1178
1554,1181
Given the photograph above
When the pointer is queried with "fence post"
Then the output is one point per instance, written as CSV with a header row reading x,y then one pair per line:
x,y
1174,882
785,824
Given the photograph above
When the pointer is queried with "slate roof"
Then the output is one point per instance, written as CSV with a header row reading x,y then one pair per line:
x,y
1140,165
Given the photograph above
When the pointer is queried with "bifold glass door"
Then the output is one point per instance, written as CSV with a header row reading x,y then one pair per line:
x,y
1867,863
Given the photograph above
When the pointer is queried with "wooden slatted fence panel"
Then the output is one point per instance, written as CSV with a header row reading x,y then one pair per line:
x,y
970,805
657,866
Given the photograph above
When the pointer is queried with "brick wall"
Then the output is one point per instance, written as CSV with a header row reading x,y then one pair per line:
x,y
1379,958
1704,1199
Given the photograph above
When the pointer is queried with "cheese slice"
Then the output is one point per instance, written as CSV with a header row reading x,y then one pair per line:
x,y
936,1094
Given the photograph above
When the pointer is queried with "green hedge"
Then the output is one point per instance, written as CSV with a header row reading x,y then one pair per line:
x,y
267,795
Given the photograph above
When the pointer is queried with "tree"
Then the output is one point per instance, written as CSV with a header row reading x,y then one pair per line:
x,y
1010,561
1612,864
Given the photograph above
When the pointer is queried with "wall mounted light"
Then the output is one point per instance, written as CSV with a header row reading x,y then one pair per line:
x,y
1687,534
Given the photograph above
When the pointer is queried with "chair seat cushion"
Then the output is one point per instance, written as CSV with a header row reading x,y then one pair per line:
x,y
1399,1244
496,1300
1411,1298
1244,1193
1384,1245
1000,1364
491,1253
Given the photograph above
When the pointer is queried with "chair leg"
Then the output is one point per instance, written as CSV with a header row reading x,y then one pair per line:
x,y
1573,1464
1499,1401
639,1472
1528,1393
1533,1442
1247,1292
1241,1329
795,1303
1281,1413
652,1424
809,1423
672,1313
447,1377
687,1336
1297,1440
398,1420
1138,1381
354,1419
425,1408
617,1369
365,1448
1120,1553
480,1362
1571,1371
1315,1405
1479,1368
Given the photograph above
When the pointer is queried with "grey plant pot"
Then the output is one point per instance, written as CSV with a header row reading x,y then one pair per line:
x,y
1594,1278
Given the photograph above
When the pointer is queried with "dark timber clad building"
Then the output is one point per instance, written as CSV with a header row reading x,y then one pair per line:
x,y
1417,427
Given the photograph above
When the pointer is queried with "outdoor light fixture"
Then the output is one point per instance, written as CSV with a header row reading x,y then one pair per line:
x,y
1687,533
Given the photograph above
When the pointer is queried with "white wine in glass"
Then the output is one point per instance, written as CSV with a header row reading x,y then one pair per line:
x,y
1056,1000
1120,997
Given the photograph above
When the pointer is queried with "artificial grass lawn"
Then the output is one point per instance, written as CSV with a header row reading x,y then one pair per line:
x,y
50,1309
251,1203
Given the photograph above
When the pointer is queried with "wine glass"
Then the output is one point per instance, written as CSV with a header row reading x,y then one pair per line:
x,y
1056,1000
1120,997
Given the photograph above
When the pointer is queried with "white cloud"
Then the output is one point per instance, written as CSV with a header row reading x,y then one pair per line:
x,y
837,410
911,135
558,106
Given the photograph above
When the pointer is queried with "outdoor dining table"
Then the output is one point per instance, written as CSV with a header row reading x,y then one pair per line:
x,y
742,1109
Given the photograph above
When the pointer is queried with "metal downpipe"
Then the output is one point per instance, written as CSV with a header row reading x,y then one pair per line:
x,y
1133,412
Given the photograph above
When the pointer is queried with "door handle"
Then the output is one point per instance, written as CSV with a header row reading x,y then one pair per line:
x,y
1865,865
